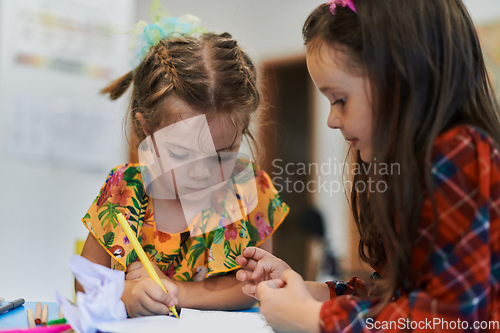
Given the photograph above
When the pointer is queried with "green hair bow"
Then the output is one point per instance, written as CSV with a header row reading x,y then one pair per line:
x,y
164,26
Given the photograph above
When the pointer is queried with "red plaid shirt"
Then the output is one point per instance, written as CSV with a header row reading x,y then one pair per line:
x,y
460,286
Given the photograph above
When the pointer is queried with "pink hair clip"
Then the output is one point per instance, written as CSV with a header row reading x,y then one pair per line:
x,y
343,3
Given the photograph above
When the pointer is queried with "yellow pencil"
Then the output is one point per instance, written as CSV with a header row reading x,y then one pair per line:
x,y
142,255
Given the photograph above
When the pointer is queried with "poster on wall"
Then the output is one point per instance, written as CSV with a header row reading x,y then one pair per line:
x,y
55,57
490,42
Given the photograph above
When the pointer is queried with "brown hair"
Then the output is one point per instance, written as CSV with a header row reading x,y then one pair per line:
x,y
210,73
427,74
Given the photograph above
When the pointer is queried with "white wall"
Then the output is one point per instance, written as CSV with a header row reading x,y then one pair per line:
x,y
483,11
265,28
41,206
43,198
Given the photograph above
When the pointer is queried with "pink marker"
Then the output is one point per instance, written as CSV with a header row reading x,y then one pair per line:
x,y
46,329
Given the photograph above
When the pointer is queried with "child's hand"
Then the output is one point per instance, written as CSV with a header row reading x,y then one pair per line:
x,y
257,266
289,308
136,270
144,297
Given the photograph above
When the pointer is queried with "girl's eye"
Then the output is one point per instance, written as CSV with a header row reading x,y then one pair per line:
x,y
177,156
339,101
226,157
223,158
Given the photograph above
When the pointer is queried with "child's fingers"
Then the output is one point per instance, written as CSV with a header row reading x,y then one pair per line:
x,y
156,292
141,311
134,266
274,283
242,261
249,289
157,300
243,275
258,272
154,307
246,263
173,292
289,276
263,268
256,253
263,288
133,275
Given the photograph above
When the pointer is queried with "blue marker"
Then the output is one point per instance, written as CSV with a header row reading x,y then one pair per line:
x,y
11,305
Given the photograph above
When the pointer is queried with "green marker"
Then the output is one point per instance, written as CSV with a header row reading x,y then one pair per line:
x,y
57,321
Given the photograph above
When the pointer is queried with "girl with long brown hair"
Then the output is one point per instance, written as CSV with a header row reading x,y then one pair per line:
x,y
407,85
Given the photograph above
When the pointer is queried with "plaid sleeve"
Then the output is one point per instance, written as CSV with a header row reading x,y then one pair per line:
x,y
355,286
461,279
352,287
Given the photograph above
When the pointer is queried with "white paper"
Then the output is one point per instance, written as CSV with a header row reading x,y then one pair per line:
x,y
101,302
193,321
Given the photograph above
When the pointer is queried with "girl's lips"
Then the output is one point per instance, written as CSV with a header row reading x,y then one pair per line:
x,y
353,142
196,189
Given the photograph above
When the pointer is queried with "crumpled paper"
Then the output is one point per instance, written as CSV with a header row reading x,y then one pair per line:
x,y
101,302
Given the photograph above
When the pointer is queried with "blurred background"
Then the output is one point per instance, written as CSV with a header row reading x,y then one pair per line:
x,y
59,138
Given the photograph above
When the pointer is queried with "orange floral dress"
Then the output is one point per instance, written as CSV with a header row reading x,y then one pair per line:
x,y
181,256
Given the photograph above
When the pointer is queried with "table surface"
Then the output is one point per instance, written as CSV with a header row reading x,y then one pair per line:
x,y
18,318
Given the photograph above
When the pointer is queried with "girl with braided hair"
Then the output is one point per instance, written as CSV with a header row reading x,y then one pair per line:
x,y
194,202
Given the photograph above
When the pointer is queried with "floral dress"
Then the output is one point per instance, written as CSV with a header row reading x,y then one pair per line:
x,y
182,256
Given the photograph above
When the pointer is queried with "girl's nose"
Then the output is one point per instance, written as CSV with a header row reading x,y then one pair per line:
x,y
199,170
334,121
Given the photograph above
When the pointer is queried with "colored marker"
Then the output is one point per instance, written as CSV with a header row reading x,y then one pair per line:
x,y
47,329
31,319
142,255
11,305
38,313
45,315
57,322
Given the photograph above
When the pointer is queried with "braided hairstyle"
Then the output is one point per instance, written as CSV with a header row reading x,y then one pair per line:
x,y
212,74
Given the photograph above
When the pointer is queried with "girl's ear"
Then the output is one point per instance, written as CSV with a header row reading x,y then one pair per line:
x,y
140,118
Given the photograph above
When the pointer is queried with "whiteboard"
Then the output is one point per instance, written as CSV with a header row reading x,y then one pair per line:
x,y
55,56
